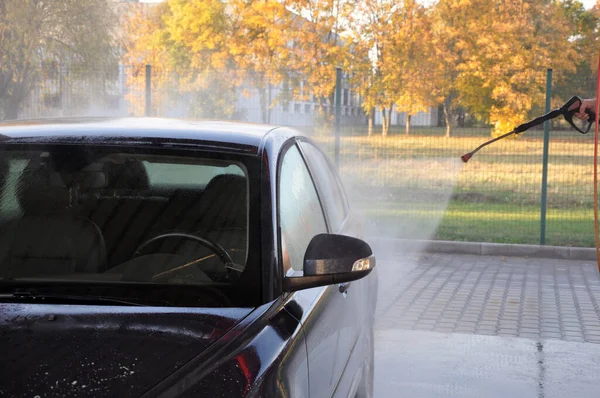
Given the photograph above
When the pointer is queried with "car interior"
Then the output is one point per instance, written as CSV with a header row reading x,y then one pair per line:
x,y
70,216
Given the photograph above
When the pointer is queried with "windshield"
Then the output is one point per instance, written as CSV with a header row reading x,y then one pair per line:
x,y
76,214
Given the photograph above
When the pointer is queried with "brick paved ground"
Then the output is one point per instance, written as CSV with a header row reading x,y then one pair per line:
x,y
503,296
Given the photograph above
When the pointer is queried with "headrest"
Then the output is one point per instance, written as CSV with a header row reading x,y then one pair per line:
x,y
230,183
90,177
42,191
129,175
226,198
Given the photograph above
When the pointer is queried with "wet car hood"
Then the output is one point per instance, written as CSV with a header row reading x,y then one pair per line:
x,y
69,350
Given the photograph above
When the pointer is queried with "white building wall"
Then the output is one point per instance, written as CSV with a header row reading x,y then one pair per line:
x,y
294,113
421,119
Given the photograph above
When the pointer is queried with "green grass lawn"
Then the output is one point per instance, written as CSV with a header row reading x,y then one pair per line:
x,y
419,180
480,222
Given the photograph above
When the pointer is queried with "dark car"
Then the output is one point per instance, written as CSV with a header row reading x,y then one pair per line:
x,y
152,257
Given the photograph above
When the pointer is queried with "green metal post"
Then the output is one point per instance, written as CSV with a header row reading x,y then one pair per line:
x,y
148,90
545,160
338,114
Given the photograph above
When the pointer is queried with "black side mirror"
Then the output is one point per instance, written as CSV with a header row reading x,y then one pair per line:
x,y
332,259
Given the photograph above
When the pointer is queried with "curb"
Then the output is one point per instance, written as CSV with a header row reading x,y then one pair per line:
x,y
493,249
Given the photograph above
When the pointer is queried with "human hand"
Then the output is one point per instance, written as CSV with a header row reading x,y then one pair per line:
x,y
585,105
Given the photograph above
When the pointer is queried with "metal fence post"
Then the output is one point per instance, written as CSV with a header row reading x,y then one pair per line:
x,y
148,90
545,160
338,114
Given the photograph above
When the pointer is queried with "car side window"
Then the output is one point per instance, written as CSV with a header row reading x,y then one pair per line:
x,y
331,191
300,213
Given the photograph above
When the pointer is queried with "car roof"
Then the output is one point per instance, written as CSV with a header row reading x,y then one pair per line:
x,y
246,137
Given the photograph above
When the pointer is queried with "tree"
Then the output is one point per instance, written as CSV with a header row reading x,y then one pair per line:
x,y
209,51
393,39
373,29
361,71
33,32
188,44
407,69
141,43
538,37
583,36
196,34
260,46
500,51
317,47
449,43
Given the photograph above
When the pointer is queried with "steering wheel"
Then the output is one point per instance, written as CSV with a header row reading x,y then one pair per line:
x,y
206,242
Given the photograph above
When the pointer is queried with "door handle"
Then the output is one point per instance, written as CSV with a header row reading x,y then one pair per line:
x,y
344,287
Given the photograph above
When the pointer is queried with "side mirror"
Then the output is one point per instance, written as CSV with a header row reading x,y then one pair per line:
x,y
332,259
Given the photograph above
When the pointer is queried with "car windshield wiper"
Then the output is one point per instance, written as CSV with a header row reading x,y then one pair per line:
x,y
32,296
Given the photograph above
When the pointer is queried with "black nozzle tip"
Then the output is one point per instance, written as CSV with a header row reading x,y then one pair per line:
x,y
465,158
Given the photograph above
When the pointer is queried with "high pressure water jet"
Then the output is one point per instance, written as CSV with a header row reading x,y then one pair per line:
x,y
568,110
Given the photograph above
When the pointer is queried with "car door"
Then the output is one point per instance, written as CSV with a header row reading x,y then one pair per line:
x,y
357,322
301,217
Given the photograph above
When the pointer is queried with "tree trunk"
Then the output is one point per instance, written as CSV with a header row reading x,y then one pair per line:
x,y
461,118
263,106
269,96
370,128
331,108
441,121
384,126
408,117
448,118
449,112
323,111
389,118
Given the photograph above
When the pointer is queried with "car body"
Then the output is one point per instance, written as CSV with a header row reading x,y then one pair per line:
x,y
113,321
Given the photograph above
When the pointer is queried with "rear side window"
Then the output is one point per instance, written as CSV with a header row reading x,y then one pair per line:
x,y
330,186
176,175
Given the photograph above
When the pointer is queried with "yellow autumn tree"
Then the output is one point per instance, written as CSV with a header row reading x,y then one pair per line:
x,y
407,68
187,43
451,44
197,35
584,38
362,75
535,36
318,47
260,46
141,44
374,30
394,75
500,51
211,52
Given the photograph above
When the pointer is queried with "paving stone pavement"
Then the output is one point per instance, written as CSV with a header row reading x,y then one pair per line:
x,y
489,295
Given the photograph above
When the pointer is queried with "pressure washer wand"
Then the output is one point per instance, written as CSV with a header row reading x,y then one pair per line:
x,y
564,110
465,158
